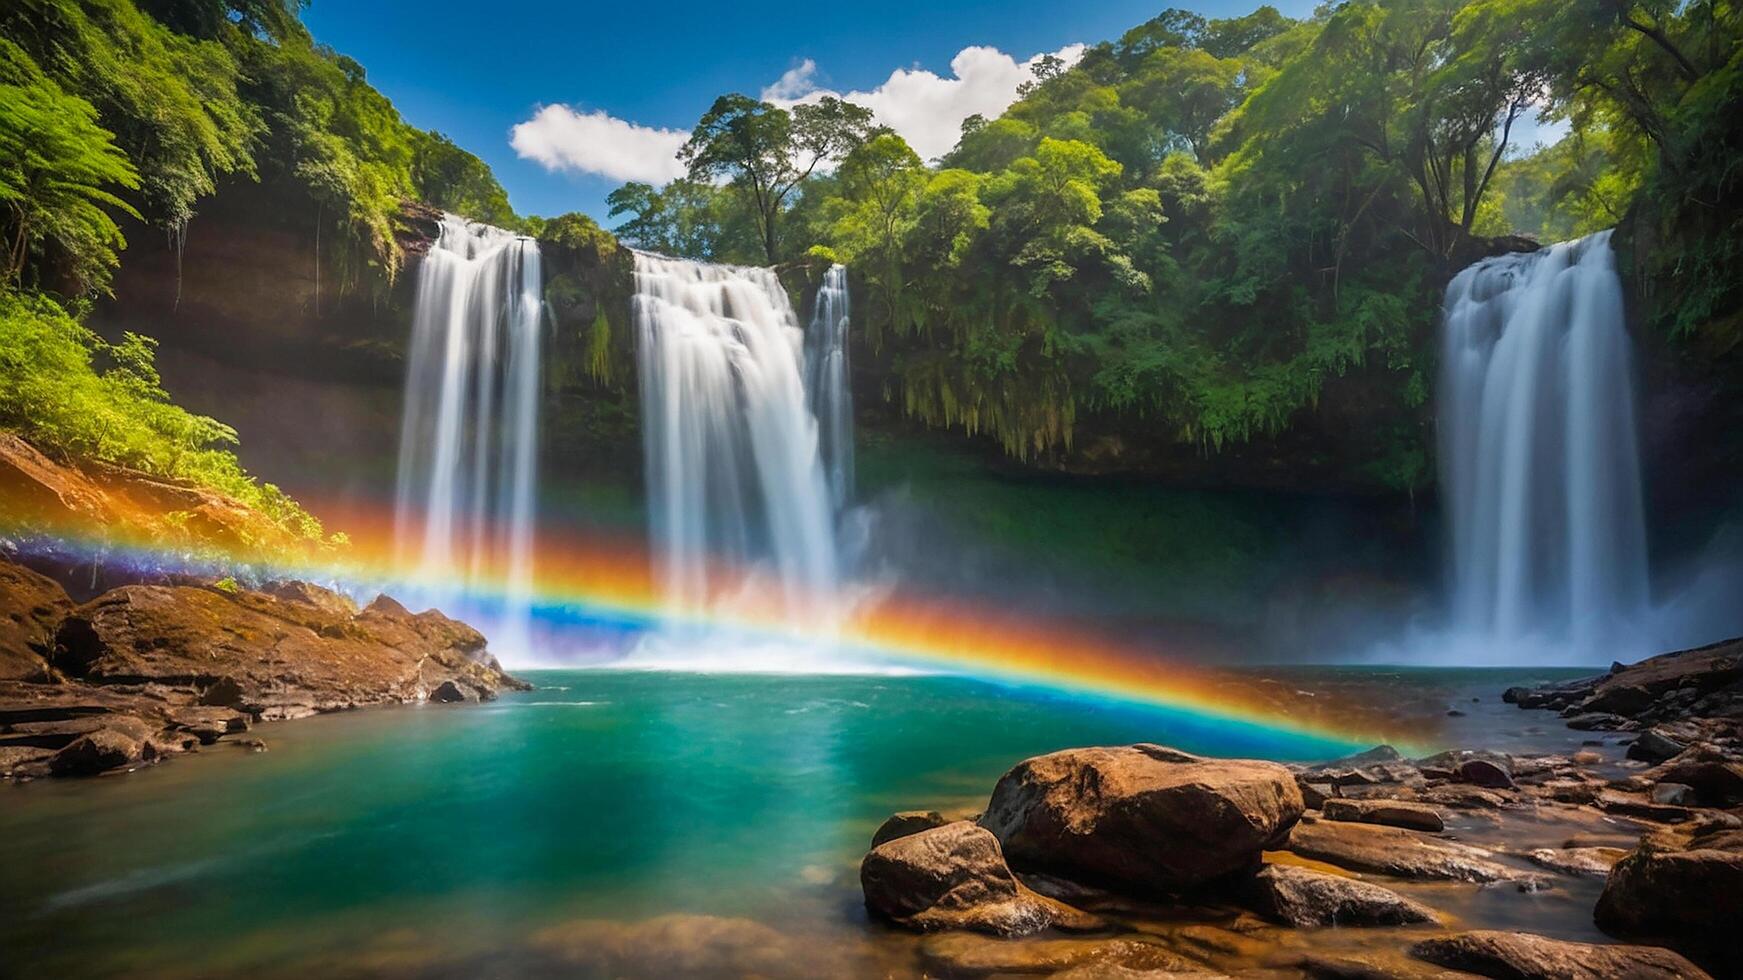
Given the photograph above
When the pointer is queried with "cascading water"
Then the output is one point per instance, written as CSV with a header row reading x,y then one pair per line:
x,y
733,471
469,434
826,383
1539,451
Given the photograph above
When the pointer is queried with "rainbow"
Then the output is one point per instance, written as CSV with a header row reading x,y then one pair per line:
x,y
598,579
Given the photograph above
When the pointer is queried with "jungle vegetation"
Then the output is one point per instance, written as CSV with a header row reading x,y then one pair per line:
x,y
1201,225
115,111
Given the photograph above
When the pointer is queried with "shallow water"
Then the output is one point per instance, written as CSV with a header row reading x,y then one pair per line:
x,y
393,839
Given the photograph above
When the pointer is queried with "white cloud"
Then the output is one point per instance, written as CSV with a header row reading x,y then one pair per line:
x,y
923,106
794,83
560,138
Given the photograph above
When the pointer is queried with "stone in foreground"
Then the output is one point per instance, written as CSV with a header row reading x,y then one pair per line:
x,y
955,877
1521,956
1399,853
1141,818
1688,899
1303,897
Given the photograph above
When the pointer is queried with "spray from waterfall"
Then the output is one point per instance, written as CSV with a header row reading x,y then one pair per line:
x,y
734,477
1539,452
827,383
469,434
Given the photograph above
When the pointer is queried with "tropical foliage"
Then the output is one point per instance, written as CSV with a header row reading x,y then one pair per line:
x,y
1195,230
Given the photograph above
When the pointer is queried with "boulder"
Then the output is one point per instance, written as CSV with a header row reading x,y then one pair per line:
x,y
1521,956
1392,813
955,877
1141,818
1673,794
1654,746
99,751
31,609
1302,897
907,822
1399,853
1486,773
1715,777
1685,898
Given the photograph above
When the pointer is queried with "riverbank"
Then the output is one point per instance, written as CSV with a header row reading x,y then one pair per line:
x,y
143,672
1146,861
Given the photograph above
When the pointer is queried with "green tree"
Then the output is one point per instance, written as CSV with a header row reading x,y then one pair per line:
x,y
767,152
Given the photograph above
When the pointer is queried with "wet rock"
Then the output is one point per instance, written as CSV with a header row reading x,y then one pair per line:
x,y
1302,897
1396,852
1521,956
1596,721
962,954
100,751
955,877
1638,804
1595,861
1715,777
1392,813
907,822
1141,818
1654,746
1686,898
1486,773
31,609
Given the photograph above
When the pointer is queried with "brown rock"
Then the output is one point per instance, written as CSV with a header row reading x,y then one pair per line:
x,y
1521,956
1302,897
100,751
907,822
1715,777
1654,746
1392,813
955,877
1142,818
963,954
1687,899
1595,861
1485,773
31,609
1400,853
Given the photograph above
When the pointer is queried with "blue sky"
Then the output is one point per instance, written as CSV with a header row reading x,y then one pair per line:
x,y
477,70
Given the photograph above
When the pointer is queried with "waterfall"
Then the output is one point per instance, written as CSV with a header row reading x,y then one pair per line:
x,y
1539,450
734,477
827,383
469,434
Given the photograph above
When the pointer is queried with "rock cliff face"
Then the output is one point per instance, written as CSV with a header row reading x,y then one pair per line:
x,y
143,672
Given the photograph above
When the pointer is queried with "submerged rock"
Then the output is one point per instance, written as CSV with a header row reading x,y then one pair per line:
x,y
1521,956
955,877
1303,897
1595,861
962,954
1141,818
1396,852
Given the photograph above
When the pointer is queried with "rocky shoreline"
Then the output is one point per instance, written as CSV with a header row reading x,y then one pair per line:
x,y
143,672
1143,861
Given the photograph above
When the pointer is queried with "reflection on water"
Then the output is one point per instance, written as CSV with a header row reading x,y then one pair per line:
x,y
452,837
